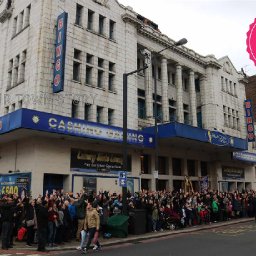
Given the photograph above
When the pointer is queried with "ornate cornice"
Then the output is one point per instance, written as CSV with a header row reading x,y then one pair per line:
x,y
157,36
131,19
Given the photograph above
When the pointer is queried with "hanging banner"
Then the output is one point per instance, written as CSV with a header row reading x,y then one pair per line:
x,y
18,183
249,120
60,53
204,183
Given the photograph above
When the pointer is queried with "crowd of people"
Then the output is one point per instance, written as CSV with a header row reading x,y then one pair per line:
x,y
59,217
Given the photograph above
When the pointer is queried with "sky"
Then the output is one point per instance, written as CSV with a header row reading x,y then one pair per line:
x,y
216,27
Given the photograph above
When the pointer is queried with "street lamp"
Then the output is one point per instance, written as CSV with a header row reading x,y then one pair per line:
x,y
125,144
178,43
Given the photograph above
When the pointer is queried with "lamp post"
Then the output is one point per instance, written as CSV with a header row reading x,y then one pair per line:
x,y
178,43
125,144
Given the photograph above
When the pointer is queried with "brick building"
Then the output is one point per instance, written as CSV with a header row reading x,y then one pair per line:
x,y
62,66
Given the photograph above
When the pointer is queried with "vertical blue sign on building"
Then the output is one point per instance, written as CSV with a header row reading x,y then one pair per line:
x,y
249,120
122,178
60,52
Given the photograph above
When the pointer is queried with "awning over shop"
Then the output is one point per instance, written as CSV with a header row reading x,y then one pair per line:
x,y
178,130
47,122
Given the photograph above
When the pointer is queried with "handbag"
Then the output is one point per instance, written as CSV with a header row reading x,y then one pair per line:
x,y
30,223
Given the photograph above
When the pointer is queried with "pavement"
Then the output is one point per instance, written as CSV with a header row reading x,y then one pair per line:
x,y
21,246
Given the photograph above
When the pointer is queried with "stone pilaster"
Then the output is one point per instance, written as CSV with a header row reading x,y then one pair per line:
x,y
192,98
165,105
178,83
148,92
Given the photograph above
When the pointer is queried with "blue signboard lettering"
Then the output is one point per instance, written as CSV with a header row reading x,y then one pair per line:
x,y
60,52
41,121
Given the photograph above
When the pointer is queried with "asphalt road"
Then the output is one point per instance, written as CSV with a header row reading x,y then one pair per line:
x,y
236,240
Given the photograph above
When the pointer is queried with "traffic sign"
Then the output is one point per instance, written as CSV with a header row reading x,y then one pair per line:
x,y
122,178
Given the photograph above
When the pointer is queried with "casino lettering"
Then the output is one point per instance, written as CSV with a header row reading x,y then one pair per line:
x,y
89,130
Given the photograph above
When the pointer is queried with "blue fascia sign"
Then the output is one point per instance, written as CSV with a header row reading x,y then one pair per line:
x,y
60,53
41,121
245,156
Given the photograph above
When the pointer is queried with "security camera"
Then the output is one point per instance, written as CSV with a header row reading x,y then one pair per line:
x,y
147,55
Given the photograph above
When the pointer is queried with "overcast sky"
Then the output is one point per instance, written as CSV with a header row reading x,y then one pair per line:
x,y
216,27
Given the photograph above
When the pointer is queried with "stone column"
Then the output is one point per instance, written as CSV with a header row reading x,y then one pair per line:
x,y
165,103
192,98
148,92
178,83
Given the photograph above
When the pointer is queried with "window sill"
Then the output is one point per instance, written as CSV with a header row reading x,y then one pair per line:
x,y
16,85
101,35
110,91
20,32
76,81
78,26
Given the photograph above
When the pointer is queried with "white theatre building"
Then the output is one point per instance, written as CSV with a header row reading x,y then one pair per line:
x,y
61,85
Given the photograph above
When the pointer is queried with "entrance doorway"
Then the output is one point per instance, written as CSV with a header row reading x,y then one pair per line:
x,y
53,182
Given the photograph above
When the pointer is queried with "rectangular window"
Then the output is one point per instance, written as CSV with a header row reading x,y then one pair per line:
x,y
14,26
112,26
145,164
16,70
89,58
10,68
76,71
21,17
101,24
13,107
87,108
159,73
111,67
99,114
141,108
191,165
186,118
79,13
74,110
172,114
77,65
162,165
88,78
100,63
197,84
110,116
173,78
222,84
77,54
90,20
176,166
23,67
111,78
185,84
204,169
100,78
27,16
19,104
6,110
158,114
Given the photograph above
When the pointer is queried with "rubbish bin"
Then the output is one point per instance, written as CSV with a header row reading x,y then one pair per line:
x,y
117,226
137,221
